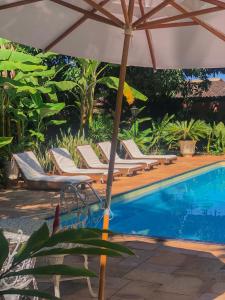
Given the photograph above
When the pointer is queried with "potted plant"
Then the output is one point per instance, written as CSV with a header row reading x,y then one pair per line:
x,y
186,133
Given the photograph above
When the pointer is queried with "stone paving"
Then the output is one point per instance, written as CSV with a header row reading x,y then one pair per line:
x,y
161,269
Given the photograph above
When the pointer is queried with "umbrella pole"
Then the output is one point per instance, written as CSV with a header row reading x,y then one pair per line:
x,y
119,100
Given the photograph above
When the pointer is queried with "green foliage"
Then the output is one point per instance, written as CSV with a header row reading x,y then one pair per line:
x,y
101,128
29,293
28,96
186,130
158,133
4,249
113,83
70,142
5,141
216,138
62,140
41,243
140,136
84,91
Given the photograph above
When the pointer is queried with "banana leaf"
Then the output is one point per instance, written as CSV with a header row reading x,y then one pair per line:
x,y
5,141
31,293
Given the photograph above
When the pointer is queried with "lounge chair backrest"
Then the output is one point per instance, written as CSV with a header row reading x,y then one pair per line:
x,y
89,155
62,159
28,164
132,148
106,148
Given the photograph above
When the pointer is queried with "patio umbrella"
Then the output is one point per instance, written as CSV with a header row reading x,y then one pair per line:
x,y
149,33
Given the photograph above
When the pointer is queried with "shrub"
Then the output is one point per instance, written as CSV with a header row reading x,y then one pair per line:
x,y
101,128
216,139
185,130
62,140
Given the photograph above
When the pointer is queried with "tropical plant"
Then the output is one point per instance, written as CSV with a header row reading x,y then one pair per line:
x,y
101,128
85,84
185,130
42,244
135,132
4,156
216,138
5,141
65,139
158,132
28,94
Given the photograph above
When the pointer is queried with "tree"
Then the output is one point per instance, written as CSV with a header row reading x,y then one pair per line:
x,y
87,76
28,94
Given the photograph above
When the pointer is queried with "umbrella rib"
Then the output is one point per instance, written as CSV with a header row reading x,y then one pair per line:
x,y
18,3
149,38
181,16
151,12
72,28
175,24
89,14
105,12
215,2
131,11
205,25
125,11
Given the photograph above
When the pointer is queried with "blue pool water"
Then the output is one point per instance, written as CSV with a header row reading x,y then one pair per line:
x,y
193,209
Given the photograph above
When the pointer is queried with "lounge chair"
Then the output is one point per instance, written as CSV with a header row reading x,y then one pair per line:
x,y
35,176
64,164
92,161
105,148
134,152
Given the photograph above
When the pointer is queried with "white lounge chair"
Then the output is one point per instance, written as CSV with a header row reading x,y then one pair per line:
x,y
35,176
105,148
134,152
64,164
92,161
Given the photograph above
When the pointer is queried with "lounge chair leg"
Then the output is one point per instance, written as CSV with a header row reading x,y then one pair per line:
x,y
92,293
56,281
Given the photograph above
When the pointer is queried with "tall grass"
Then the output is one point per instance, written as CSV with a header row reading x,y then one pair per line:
x,y
63,140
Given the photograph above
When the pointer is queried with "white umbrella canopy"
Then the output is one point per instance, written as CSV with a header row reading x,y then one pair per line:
x,y
40,23
148,33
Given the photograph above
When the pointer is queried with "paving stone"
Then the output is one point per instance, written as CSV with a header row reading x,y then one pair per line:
x,y
200,266
168,258
142,246
220,297
145,274
171,296
160,268
137,290
218,287
183,285
208,296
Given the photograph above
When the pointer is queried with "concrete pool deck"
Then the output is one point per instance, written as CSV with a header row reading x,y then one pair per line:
x,y
161,270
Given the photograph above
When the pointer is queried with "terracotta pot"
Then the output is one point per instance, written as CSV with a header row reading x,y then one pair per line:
x,y
187,148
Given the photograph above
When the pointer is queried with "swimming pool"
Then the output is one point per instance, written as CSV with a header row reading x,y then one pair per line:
x,y
190,206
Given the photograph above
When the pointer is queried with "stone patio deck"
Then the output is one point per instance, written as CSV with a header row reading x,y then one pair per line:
x,y
162,270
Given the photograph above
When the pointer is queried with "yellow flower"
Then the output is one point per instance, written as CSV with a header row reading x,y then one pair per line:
x,y
128,94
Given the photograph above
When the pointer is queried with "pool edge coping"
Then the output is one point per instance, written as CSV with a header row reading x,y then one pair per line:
x,y
171,179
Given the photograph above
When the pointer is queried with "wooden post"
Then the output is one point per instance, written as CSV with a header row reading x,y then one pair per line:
x,y
119,101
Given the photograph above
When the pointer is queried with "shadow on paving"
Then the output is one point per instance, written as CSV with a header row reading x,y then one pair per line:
x,y
157,272
21,202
